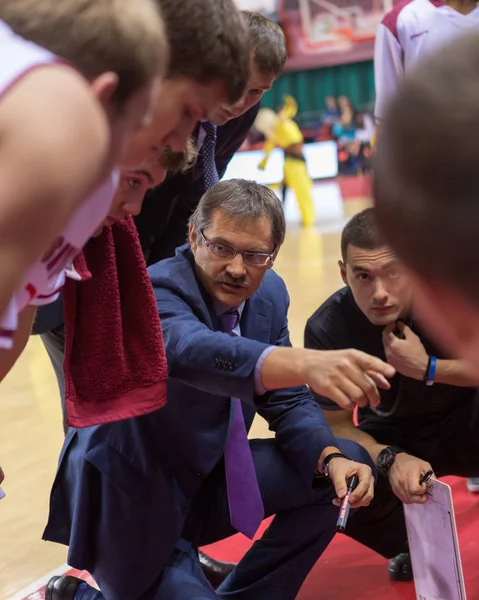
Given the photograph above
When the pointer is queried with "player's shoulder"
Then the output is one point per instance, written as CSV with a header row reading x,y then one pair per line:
x,y
54,101
333,310
405,11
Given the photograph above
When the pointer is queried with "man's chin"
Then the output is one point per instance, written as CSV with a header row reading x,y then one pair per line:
x,y
219,120
228,297
383,320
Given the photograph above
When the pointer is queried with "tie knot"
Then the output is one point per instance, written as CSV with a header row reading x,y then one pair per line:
x,y
229,320
209,129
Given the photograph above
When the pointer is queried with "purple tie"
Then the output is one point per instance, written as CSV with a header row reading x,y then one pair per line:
x,y
244,498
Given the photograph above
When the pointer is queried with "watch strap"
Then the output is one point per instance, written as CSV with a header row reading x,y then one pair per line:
x,y
328,459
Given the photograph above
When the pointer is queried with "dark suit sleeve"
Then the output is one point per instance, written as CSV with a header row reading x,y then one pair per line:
x,y
298,421
208,360
226,151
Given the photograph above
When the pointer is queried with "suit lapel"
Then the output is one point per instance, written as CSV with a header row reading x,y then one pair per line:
x,y
256,319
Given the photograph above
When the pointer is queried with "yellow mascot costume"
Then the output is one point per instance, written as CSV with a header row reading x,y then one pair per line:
x,y
281,131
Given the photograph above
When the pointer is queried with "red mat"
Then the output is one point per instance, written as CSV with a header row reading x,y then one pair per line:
x,y
348,570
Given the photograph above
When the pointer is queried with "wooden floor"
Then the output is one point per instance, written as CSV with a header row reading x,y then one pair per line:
x,y
30,417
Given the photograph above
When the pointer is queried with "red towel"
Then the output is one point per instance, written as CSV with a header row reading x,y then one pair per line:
x,y
115,364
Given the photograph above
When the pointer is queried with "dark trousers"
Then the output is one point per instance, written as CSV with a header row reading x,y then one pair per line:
x,y
278,563
449,443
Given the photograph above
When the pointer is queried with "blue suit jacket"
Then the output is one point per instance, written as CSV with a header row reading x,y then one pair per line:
x,y
122,490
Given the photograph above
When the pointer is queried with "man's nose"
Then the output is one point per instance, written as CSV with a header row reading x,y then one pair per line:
x,y
236,267
380,293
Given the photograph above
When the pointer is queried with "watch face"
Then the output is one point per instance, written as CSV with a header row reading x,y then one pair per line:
x,y
385,458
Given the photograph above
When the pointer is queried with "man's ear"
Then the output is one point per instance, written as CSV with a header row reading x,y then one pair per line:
x,y
193,238
342,269
104,86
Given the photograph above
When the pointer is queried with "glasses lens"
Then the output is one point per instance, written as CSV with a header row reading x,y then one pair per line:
x,y
221,251
256,260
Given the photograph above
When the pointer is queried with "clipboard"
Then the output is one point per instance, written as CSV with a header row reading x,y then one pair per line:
x,y
434,546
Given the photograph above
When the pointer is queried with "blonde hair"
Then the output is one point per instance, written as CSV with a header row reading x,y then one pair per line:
x,y
126,37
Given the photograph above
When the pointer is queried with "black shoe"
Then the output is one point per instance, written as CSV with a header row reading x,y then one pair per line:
x,y
62,588
400,567
215,571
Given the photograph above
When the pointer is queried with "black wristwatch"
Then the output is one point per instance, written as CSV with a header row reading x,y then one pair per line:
x,y
325,464
386,459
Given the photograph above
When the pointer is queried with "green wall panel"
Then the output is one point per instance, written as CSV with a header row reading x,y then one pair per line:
x,y
311,87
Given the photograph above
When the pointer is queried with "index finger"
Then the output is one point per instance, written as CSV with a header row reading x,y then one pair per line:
x,y
388,330
372,363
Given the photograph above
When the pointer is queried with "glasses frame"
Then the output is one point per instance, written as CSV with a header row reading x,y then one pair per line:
x,y
269,258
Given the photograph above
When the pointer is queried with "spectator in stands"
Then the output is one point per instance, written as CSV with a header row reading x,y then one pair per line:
x,y
345,128
417,426
331,114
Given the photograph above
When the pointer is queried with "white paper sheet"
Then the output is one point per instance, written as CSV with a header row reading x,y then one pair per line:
x,y
434,546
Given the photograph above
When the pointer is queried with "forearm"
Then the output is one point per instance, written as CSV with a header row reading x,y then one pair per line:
x,y
284,368
9,357
326,452
456,372
349,431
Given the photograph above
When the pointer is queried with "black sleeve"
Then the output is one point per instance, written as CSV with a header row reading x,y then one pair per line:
x,y
326,330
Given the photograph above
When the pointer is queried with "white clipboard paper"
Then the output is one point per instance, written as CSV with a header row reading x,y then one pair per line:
x,y
434,547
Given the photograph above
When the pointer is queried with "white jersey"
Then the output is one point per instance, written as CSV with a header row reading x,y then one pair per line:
x,y
45,278
409,33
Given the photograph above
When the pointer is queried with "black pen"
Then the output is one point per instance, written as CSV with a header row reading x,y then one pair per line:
x,y
345,505
426,477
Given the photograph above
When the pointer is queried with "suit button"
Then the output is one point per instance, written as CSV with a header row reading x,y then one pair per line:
x,y
200,475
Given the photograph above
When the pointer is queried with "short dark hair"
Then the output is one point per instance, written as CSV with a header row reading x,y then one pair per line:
x,y
361,231
208,42
426,183
241,200
267,42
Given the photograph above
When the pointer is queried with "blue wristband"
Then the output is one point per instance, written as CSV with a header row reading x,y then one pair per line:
x,y
432,371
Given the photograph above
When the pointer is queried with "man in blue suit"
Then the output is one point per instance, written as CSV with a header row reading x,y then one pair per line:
x,y
134,500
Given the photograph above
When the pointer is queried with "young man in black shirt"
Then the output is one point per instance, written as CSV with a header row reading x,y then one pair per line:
x,y
429,419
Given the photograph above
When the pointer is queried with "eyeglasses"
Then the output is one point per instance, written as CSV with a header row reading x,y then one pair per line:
x,y
252,259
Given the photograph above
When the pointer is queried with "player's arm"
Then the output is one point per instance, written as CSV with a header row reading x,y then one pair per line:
x,y
456,372
388,69
9,357
54,139
342,425
410,358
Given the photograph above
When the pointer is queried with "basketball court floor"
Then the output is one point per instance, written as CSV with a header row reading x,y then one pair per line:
x,y
31,437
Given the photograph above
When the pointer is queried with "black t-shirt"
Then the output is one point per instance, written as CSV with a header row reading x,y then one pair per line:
x,y
340,324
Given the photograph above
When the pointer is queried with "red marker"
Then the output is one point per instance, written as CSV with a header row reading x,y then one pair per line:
x,y
345,505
